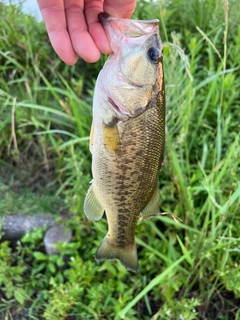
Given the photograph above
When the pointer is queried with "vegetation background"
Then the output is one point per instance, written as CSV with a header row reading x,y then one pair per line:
x,y
187,270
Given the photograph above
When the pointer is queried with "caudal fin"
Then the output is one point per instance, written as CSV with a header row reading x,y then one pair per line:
x,y
127,256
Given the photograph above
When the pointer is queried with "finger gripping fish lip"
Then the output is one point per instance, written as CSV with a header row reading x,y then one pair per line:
x,y
102,17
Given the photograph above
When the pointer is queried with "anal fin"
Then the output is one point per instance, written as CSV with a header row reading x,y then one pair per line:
x,y
92,207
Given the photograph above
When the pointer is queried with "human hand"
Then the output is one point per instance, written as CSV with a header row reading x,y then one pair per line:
x,y
74,29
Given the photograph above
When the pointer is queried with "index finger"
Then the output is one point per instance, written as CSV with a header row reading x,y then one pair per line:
x,y
78,27
53,14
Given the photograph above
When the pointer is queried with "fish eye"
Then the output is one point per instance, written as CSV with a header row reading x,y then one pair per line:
x,y
154,54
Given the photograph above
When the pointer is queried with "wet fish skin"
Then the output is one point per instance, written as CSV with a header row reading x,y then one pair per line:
x,y
127,139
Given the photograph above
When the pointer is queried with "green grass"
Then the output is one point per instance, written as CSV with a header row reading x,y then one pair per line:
x,y
188,269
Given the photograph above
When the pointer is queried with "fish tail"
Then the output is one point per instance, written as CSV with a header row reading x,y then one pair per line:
x,y
126,255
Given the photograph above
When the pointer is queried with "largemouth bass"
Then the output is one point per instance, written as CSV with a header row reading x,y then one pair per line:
x,y
127,136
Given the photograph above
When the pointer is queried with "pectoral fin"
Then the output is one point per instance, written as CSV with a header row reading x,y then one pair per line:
x,y
152,207
92,207
111,139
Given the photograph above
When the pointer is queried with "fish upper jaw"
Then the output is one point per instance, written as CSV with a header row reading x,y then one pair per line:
x,y
118,27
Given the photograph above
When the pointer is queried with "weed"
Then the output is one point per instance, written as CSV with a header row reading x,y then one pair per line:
x,y
188,269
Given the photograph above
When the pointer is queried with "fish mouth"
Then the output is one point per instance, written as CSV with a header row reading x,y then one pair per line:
x,y
103,16
138,26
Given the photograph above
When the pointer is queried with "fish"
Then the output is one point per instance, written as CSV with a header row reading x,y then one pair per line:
x,y
127,135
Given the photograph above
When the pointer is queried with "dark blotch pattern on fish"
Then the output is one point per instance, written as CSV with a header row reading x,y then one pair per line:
x,y
132,177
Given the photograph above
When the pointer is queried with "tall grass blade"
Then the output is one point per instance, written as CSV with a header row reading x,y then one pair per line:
x,y
150,286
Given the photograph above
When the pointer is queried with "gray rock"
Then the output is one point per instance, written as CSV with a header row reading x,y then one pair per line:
x,y
54,235
14,227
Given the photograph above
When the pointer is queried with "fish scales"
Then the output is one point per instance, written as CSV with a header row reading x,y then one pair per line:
x,y
127,154
136,177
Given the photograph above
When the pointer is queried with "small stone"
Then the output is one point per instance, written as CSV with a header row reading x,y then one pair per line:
x,y
54,235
